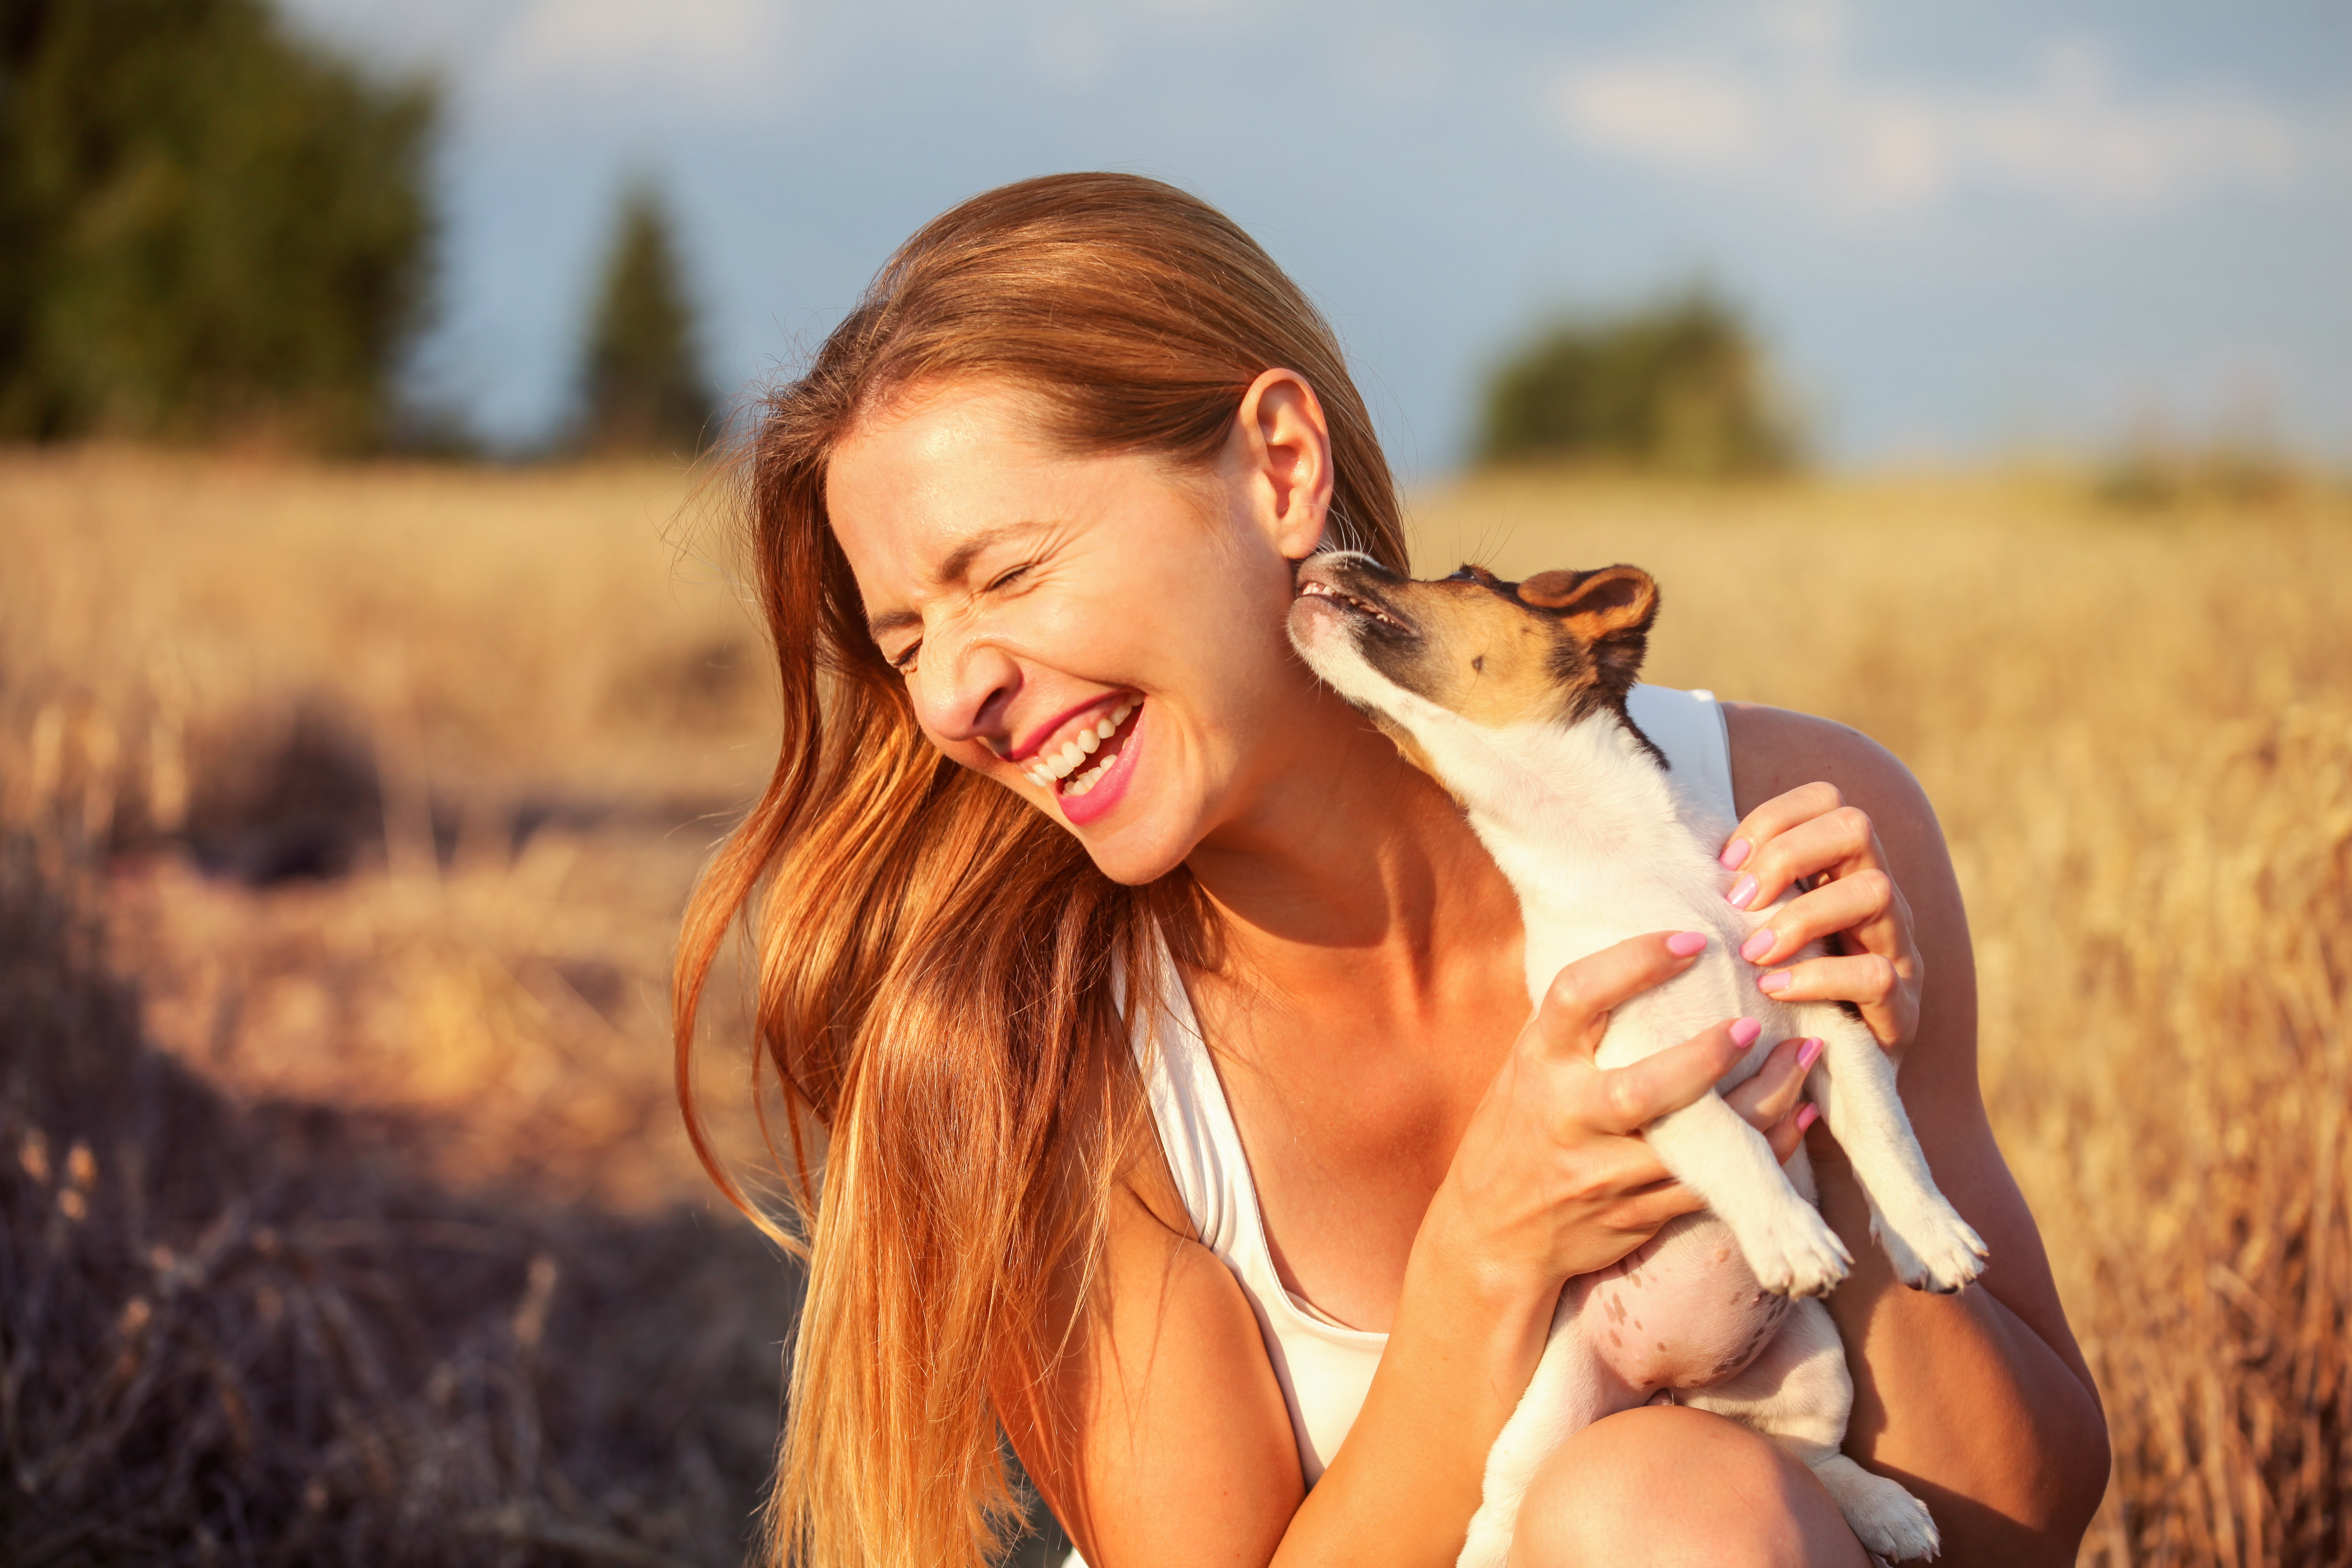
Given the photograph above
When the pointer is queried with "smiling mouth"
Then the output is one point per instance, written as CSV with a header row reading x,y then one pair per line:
x,y
1314,588
1079,763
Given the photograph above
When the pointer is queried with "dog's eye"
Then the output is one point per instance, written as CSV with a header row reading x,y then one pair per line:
x,y
1463,574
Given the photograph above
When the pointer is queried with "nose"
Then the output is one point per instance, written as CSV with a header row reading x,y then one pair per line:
x,y
963,690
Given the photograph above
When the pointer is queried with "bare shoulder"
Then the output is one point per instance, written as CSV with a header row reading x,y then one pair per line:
x,y
1775,752
1774,749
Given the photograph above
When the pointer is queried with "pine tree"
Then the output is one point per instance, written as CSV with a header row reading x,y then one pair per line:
x,y
208,226
642,388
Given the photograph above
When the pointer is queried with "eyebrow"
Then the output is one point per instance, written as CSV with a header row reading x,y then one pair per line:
x,y
958,562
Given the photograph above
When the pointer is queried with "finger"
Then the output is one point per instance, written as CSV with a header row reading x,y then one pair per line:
x,y
1772,1094
1575,1010
1861,904
1626,1100
1647,1212
1788,1134
1866,979
1776,817
1840,842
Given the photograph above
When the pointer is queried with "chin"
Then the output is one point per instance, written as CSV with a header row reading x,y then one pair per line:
x,y
1136,857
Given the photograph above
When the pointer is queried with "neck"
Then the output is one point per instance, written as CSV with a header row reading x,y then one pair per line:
x,y
1351,867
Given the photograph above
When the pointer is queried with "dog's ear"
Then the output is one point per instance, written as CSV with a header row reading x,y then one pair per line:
x,y
1608,613
1598,605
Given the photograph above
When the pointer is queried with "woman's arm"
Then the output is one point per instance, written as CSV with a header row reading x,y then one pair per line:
x,y
1170,1442
1980,1403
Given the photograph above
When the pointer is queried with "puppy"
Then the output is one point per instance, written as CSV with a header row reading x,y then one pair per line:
x,y
1512,695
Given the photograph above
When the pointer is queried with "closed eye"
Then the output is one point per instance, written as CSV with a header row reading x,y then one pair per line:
x,y
903,661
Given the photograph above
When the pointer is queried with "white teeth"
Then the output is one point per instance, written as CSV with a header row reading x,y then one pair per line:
x,y
1053,768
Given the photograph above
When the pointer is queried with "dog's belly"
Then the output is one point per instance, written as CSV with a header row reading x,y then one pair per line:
x,y
1680,1311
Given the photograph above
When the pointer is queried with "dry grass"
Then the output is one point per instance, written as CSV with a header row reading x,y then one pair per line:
x,y
398,778
2138,734
353,1223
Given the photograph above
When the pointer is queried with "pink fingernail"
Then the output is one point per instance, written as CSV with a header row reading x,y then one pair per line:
x,y
1754,949
1744,1032
1808,1116
1741,892
1774,983
1734,853
1684,943
1808,1054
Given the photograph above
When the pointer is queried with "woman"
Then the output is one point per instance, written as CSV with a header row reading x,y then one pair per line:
x,y
1056,806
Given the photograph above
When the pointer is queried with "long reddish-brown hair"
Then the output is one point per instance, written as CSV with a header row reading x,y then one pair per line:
x,y
935,956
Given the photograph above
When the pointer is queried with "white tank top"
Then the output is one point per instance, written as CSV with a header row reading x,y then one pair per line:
x,y
1325,1368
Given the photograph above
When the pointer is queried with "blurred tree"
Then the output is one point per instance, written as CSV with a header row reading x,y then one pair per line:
x,y
1676,387
642,388
207,227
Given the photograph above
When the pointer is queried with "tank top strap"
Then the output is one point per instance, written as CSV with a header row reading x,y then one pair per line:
x,y
1196,1127
1324,1367
1689,727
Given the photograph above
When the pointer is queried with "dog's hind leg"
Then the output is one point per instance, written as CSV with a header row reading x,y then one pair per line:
x,y
1799,1393
1931,1247
1569,1391
1790,1249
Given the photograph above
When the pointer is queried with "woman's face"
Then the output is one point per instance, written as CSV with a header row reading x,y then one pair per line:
x,y
1101,635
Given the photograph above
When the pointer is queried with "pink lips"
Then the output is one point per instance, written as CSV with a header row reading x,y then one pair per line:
x,y
1111,788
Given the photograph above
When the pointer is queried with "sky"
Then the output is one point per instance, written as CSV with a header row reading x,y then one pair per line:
x,y
1968,230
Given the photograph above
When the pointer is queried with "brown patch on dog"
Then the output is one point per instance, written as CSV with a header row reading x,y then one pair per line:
x,y
1498,653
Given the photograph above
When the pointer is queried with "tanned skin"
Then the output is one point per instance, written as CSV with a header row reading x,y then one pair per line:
x,y
1430,1161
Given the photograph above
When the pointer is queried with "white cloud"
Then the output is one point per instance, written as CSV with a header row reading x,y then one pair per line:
x,y
714,54
1787,107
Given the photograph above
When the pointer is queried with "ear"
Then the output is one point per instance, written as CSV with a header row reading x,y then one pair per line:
x,y
1280,453
1598,605
1608,611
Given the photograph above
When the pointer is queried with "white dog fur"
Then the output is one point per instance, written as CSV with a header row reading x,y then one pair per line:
x,y
1601,845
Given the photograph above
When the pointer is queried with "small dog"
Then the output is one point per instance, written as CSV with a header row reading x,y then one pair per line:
x,y
1512,695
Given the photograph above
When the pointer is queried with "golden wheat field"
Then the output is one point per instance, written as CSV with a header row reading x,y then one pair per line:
x,y
348,813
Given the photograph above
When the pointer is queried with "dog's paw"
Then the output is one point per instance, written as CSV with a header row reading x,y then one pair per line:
x,y
1892,1522
1935,1250
1793,1251
1885,1517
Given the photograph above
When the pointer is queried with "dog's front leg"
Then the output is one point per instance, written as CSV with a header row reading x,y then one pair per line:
x,y
1931,1247
1788,1246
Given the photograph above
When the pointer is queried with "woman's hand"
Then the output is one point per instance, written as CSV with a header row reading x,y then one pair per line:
x,y
1810,837
1552,1175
